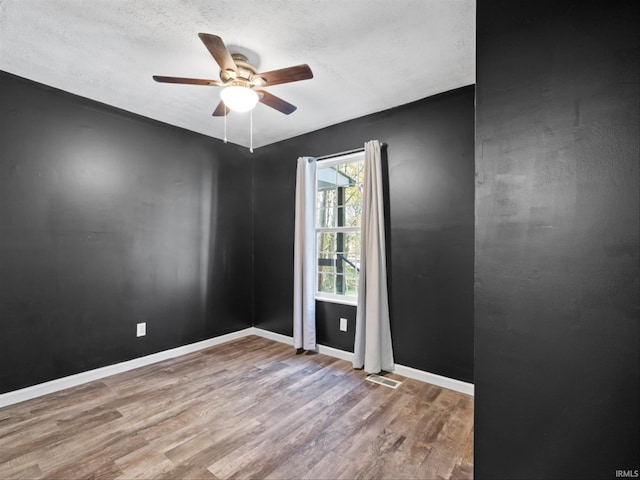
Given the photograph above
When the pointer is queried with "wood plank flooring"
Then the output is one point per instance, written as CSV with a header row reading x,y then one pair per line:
x,y
250,408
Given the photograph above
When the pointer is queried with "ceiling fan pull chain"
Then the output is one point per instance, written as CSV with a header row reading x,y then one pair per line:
x,y
251,131
225,123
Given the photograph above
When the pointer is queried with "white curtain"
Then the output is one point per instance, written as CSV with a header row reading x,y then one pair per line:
x,y
372,347
304,303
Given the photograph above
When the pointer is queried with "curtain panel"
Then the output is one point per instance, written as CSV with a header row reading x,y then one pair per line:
x,y
372,347
304,303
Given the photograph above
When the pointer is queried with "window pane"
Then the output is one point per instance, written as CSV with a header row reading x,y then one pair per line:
x,y
326,197
351,285
341,284
321,220
352,195
349,269
352,243
326,177
326,282
352,215
326,242
353,261
326,217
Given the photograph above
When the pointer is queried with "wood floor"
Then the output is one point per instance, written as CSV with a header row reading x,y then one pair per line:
x,y
250,408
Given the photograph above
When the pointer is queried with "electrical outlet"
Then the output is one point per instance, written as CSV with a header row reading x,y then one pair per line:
x,y
343,324
141,329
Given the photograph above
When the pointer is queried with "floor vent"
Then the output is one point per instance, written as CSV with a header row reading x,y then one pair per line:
x,y
387,382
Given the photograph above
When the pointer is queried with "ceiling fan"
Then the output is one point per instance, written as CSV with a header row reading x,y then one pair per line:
x,y
243,85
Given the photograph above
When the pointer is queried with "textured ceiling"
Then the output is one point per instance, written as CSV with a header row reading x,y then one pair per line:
x,y
366,55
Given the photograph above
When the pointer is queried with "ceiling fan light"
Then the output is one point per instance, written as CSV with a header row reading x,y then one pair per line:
x,y
239,98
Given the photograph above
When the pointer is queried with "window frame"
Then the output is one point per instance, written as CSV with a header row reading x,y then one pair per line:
x,y
328,163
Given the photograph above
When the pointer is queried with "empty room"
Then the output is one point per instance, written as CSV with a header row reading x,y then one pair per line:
x,y
319,239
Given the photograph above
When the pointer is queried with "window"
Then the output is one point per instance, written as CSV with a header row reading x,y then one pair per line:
x,y
339,184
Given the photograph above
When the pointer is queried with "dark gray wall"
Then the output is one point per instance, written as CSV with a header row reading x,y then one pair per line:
x,y
557,308
430,181
108,219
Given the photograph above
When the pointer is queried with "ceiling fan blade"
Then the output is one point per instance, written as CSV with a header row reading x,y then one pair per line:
x,y
286,75
220,110
276,102
187,81
218,51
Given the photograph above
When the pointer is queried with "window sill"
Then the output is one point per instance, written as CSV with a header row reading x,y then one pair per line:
x,y
341,301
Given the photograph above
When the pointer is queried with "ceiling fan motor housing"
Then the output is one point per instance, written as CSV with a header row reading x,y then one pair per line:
x,y
244,75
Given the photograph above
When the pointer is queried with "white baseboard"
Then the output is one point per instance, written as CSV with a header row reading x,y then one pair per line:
x,y
278,337
409,372
435,379
58,384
